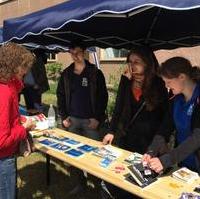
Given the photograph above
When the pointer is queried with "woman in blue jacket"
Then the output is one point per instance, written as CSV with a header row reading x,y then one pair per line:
x,y
183,117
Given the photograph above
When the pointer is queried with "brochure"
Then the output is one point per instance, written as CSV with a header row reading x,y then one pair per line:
x,y
39,119
185,175
107,151
134,158
140,176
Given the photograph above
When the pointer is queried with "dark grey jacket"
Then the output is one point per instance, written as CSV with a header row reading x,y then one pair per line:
x,y
137,135
40,76
98,91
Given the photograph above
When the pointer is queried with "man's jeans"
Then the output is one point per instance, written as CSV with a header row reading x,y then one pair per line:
x,y
8,178
80,127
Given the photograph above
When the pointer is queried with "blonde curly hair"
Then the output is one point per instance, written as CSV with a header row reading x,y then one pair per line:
x,y
13,57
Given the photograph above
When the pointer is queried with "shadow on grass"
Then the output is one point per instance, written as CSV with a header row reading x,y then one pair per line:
x,y
32,181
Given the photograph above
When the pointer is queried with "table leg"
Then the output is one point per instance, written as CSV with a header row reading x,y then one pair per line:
x,y
48,159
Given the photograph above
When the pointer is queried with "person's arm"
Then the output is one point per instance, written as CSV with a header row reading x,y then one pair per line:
x,y
189,146
61,98
10,134
162,137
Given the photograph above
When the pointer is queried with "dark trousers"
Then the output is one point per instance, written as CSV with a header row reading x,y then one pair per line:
x,y
31,96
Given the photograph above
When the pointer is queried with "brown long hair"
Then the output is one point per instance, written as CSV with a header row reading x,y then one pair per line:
x,y
150,71
174,66
13,56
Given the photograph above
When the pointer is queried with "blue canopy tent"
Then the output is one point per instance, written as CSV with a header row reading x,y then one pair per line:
x,y
1,35
162,24
50,48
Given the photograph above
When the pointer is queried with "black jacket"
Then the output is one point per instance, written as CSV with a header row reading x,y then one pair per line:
x,y
189,146
138,135
40,76
98,91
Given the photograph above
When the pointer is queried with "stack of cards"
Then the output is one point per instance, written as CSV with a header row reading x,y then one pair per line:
x,y
107,151
69,146
47,142
189,196
60,147
71,141
79,151
57,138
87,148
74,153
105,162
55,145
134,158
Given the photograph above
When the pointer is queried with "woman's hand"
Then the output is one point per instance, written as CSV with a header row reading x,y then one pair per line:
x,y
66,122
146,158
29,125
127,73
156,165
108,138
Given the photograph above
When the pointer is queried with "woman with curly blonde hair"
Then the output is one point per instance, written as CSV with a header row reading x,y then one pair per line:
x,y
15,61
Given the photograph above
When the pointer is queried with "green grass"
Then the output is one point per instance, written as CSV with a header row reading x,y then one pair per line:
x,y
49,97
53,87
32,178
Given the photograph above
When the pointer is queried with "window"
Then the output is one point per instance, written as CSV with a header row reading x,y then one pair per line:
x,y
51,57
110,54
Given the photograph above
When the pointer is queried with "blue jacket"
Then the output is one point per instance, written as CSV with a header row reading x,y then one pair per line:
x,y
190,146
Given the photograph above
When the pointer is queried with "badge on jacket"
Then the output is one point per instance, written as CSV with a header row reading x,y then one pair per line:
x,y
190,110
84,82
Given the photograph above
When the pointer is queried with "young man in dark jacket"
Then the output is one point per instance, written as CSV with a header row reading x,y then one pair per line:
x,y
82,96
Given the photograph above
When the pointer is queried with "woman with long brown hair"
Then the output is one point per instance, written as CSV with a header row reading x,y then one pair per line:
x,y
141,102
